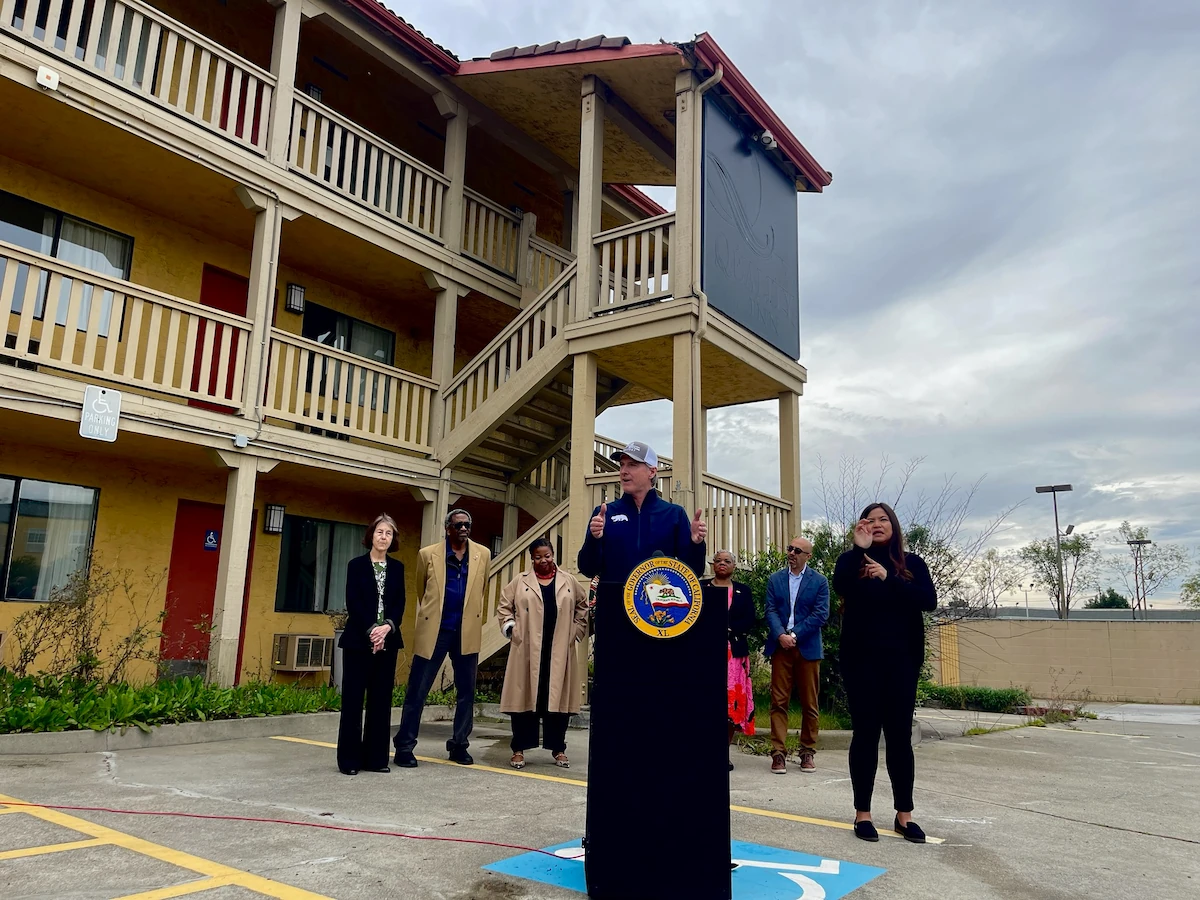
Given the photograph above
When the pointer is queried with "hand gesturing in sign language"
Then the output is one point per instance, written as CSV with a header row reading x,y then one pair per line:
x,y
699,529
596,526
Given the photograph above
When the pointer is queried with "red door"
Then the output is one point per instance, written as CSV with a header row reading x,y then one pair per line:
x,y
229,293
192,585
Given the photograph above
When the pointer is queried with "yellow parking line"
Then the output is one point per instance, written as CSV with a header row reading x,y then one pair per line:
x,y
182,890
520,773
178,858
11,809
51,848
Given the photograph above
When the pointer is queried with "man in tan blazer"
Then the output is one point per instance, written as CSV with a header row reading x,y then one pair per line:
x,y
454,573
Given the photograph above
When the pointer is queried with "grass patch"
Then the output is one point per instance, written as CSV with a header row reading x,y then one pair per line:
x,y
984,699
831,720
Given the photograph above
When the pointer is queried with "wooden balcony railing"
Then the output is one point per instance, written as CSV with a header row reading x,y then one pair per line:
x,y
150,54
511,351
491,234
742,519
347,395
65,318
552,477
545,262
635,263
346,158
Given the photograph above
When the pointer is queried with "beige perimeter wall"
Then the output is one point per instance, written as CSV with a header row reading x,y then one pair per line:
x,y
1155,662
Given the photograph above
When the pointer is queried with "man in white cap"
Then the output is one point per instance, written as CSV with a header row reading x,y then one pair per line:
x,y
639,524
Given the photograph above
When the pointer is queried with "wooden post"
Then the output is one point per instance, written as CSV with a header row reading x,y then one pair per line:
x,y
685,388
685,273
789,457
264,256
231,566
445,316
284,49
528,230
454,167
509,533
591,186
583,439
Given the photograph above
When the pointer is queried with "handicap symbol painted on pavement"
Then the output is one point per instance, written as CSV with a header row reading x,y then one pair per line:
x,y
212,539
762,873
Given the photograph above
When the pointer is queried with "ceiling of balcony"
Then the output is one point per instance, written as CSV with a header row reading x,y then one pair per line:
x,y
544,101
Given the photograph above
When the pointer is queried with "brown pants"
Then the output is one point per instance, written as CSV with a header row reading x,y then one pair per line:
x,y
792,673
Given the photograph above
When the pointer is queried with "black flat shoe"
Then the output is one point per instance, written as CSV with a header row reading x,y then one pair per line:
x,y
405,760
865,831
383,769
348,771
462,757
910,832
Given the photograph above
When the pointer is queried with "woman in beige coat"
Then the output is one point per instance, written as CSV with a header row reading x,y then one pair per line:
x,y
544,613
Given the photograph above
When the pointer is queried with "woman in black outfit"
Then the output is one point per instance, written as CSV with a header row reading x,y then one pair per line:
x,y
884,590
739,601
370,642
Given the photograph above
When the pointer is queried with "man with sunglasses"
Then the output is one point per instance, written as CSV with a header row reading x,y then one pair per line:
x,y
449,621
797,607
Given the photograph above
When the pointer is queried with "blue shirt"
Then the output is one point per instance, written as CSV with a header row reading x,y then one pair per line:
x,y
456,587
793,591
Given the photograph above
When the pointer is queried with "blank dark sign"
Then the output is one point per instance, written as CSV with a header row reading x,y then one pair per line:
x,y
749,264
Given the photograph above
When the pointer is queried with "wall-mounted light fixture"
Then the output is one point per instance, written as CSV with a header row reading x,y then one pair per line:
x,y
497,545
273,520
294,302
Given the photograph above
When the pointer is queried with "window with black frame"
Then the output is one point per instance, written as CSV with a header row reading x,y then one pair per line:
x,y
46,531
334,329
313,555
44,230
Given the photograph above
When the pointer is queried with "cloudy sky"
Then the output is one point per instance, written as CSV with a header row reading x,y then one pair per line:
x,y
1004,277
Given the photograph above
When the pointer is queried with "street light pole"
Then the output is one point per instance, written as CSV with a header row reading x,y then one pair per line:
x,y
1139,577
1053,490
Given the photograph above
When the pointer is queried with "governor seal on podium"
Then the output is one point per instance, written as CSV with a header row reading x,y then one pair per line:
x,y
662,597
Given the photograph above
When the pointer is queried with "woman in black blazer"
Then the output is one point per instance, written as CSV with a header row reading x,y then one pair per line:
x,y
738,599
370,642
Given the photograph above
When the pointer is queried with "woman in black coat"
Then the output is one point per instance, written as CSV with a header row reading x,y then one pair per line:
x,y
884,592
737,598
370,642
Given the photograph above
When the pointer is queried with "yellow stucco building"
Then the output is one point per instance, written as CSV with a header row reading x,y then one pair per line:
x,y
334,270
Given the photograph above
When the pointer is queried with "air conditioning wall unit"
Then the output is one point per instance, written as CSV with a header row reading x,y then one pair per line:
x,y
302,653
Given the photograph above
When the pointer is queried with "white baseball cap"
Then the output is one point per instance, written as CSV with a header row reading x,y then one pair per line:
x,y
639,452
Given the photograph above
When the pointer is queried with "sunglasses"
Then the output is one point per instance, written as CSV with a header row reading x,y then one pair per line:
x,y
461,526
797,550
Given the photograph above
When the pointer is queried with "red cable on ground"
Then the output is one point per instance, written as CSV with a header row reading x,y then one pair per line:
x,y
186,815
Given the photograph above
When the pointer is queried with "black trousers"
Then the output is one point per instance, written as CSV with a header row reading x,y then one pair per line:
x,y
880,701
369,676
525,730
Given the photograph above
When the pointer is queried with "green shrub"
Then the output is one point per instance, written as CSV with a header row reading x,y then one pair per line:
x,y
994,700
65,703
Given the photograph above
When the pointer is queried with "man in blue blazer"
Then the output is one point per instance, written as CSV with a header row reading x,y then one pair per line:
x,y
797,607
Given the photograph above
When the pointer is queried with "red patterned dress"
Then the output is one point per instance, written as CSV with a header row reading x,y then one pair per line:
x,y
741,691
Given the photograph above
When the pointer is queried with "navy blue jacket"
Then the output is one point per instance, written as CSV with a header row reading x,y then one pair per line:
x,y
812,610
632,536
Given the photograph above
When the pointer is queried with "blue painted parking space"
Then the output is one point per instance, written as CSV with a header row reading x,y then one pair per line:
x,y
762,873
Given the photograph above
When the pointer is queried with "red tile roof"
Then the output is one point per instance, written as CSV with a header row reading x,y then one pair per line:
x,y
596,42
381,16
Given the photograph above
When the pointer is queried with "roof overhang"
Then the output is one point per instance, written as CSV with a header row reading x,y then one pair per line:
x,y
409,37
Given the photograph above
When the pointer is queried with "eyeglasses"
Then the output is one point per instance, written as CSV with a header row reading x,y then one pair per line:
x,y
799,550
461,526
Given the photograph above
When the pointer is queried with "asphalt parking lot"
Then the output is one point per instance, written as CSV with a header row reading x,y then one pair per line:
x,y
1106,809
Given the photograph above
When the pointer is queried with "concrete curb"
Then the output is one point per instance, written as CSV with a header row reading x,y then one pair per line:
x,y
297,725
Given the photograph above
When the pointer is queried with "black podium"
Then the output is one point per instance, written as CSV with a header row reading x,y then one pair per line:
x,y
658,773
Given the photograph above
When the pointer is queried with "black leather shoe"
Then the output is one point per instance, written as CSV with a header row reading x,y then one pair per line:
x,y
911,832
383,769
462,757
405,760
865,831
348,771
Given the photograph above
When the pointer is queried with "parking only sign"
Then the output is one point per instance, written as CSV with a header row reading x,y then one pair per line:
x,y
101,414
761,873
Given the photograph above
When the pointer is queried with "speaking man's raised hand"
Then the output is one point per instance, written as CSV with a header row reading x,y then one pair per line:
x,y
596,526
699,529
